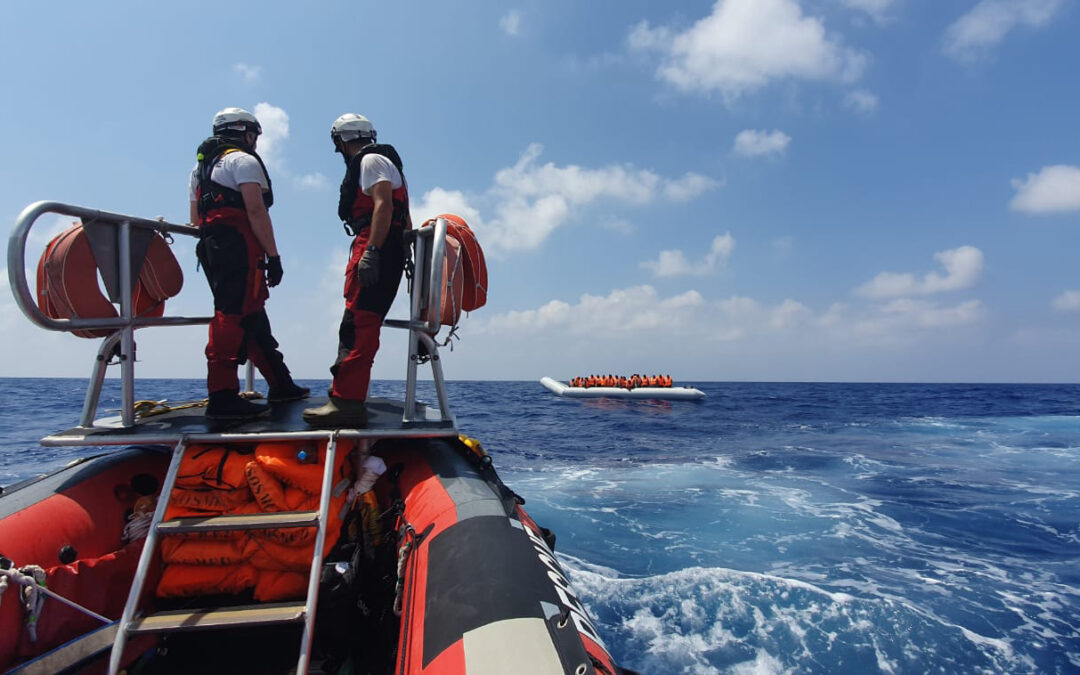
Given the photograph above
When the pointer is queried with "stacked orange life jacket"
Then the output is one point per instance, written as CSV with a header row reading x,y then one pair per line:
x,y
217,480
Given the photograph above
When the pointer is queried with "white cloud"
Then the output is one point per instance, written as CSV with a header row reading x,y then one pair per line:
x,y
673,263
510,23
249,73
275,130
1054,189
875,8
900,318
974,34
688,187
623,311
754,143
640,315
790,314
963,266
1068,301
41,235
744,45
530,201
862,101
313,181
439,200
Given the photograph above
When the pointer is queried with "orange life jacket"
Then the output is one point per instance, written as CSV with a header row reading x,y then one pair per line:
x,y
275,477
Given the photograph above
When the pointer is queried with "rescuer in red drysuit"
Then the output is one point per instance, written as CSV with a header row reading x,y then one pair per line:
x,y
230,195
374,205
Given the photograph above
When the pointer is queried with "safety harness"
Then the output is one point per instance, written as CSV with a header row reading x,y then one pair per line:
x,y
211,196
355,208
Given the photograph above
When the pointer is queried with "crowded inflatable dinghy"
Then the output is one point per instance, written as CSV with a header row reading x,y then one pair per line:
x,y
616,390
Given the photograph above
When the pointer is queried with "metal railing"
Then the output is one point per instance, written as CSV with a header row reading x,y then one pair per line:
x,y
120,266
429,244
426,294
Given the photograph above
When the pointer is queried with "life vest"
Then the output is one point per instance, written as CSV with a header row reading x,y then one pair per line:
x,y
300,464
356,208
217,203
67,281
273,477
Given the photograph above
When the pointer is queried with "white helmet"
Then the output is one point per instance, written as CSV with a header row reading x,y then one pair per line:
x,y
235,121
350,127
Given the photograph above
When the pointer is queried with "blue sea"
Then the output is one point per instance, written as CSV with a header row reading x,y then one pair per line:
x,y
772,528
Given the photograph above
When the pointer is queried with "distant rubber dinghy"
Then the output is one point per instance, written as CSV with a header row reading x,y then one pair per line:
x,y
669,393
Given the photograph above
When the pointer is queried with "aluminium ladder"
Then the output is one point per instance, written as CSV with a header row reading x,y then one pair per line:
x,y
265,614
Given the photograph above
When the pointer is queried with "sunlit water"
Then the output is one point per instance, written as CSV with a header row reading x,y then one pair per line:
x,y
772,528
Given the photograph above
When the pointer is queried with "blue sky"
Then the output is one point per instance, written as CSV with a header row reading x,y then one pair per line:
x,y
852,190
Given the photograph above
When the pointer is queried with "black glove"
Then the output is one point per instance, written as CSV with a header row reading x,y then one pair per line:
x,y
273,271
367,270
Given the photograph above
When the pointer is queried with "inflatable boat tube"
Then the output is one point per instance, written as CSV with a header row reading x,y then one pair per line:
x,y
483,590
668,393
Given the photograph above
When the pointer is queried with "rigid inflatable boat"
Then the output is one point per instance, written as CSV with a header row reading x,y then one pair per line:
x,y
668,393
266,546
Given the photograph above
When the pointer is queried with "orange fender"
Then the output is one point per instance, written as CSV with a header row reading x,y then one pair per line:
x,y
67,281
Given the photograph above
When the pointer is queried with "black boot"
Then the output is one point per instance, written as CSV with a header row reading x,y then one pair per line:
x,y
227,405
289,392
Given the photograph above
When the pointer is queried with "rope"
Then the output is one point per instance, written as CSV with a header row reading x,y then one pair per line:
x,y
138,524
144,409
403,556
33,593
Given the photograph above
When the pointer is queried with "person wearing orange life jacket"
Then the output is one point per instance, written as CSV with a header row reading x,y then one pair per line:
x,y
374,206
230,194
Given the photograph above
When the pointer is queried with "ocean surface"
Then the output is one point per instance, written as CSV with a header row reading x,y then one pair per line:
x,y
772,528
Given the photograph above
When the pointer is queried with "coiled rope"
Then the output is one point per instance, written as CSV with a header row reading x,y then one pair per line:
x,y
144,409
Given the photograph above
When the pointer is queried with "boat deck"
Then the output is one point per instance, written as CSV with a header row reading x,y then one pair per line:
x,y
285,422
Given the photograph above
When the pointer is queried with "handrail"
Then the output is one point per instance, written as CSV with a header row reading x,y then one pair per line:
x,y
16,255
425,301
122,327
426,297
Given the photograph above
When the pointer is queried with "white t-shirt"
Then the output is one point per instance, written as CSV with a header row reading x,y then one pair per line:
x,y
376,169
232,170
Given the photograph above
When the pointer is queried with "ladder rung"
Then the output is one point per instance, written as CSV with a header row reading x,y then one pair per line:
x,y
247,521
224,617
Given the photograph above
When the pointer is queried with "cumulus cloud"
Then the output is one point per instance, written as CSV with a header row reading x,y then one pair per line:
x,y
862,101
625,310
313,181
963,266
640,313
510,23
985,25
672,263
744,45
530,200
1068,301
275,130
754,143
1052,190
901,316
875,8
248,72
